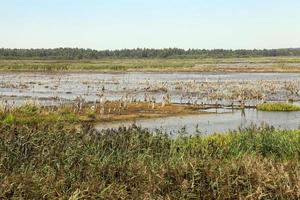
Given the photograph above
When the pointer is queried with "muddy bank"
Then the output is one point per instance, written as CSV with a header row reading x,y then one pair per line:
x,y
131,111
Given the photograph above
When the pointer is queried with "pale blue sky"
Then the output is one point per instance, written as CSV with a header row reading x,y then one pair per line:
x,y
116,24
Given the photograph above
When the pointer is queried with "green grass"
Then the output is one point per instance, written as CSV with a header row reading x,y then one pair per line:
x,y
55,161
278,64
31,114
277,107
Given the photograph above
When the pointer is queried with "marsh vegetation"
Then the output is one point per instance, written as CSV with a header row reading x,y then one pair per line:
x,y
56,160
29,113
131,97
248,64
278,107
51,149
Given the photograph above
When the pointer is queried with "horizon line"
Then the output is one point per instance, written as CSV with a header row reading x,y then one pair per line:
x,y
147,48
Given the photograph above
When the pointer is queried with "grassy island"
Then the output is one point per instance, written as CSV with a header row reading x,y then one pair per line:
x,y
277,107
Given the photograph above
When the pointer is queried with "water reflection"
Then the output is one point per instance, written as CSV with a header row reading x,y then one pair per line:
x,y
215,122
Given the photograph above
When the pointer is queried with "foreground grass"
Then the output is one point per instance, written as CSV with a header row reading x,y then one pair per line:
x,y
52,160
274,64
277,107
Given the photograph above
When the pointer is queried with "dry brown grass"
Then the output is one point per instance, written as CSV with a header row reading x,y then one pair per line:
x,y
145,110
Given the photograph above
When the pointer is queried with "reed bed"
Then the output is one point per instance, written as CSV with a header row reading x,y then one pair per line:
x,y
59,161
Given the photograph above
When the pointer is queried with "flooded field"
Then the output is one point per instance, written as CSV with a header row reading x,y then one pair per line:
x,y
214,89
180,87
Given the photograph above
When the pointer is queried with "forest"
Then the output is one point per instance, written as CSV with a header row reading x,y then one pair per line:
x,y
79,53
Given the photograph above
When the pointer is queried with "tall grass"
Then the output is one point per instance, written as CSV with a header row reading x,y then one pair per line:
x,y
50,161
32,114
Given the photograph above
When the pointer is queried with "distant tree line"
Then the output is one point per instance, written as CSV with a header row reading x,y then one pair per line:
x,y
77,53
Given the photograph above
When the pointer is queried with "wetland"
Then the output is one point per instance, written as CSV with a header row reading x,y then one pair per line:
x,y
150,134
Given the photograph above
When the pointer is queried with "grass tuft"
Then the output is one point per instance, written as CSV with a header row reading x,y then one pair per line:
x,y
277,107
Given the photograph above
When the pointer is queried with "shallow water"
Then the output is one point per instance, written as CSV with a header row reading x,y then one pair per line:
x,y
222,121
66,87
54,88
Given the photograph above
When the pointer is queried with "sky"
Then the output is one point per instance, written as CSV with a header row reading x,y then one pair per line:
x,y
118,24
